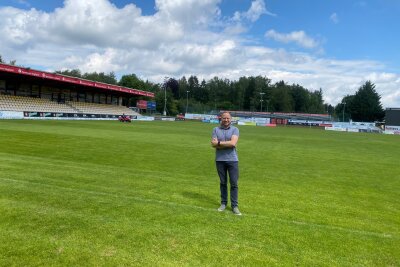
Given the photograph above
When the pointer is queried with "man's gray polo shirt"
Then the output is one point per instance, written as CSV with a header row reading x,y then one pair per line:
x,y
225,134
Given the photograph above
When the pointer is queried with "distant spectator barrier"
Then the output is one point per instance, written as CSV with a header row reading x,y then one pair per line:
x,y
144,118
11,115
354,127
392,130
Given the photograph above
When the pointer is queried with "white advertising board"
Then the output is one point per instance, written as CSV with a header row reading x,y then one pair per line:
x,y
145,118
11,115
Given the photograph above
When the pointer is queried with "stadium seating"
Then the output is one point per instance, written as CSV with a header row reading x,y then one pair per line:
x,y
94,108
22,103
30,104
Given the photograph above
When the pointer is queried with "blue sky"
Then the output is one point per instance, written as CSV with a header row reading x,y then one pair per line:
x,y
335,45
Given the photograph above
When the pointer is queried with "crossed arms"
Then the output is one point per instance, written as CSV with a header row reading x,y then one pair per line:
x,y
225,144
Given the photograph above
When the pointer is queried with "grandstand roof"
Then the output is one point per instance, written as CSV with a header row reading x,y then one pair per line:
x,y
63,79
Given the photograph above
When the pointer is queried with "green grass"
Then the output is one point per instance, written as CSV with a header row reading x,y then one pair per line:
x,y
78,193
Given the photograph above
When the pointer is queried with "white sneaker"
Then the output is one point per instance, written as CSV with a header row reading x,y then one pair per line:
x,y
222,207
236,211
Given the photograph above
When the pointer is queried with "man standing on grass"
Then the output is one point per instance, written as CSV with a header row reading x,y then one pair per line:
x,y
224,140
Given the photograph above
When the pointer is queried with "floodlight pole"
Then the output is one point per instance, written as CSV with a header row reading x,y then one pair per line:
x,y
261,100
344,106
165,101
187,100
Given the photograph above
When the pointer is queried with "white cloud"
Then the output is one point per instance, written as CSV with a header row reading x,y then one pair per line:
x,y
189,13
94,22
177,40
299,37
256,10
334,18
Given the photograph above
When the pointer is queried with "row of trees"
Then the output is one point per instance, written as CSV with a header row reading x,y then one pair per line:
x,y
248,93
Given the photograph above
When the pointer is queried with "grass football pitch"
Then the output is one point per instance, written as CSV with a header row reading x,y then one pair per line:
x,y
104,193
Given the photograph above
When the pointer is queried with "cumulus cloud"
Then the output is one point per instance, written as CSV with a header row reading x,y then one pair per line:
x,y
298,37
93,22
182,37
256,10
334,18
189,13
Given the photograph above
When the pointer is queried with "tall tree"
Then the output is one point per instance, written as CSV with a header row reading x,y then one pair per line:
x,y
366,104
172,85
170,90
203,92
262,92
316,104
282,100
344,108
240,88
171,103
248,103
300,98
193,83
183,86
131,81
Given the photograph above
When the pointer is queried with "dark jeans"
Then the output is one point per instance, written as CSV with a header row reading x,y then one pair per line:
x,y
232,168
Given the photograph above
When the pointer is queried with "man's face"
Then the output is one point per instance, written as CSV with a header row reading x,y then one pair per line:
x,y
226,120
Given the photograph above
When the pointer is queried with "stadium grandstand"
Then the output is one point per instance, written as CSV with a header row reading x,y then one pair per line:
x,y
36,93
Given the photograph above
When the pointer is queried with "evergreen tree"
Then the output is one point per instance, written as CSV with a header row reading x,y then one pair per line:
x,y
300,98
367,105
316,103
248,103
282,100
183,87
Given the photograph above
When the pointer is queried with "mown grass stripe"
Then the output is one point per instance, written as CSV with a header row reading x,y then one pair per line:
x,y
169,203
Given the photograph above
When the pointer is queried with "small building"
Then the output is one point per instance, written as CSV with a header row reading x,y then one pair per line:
x,y
392,121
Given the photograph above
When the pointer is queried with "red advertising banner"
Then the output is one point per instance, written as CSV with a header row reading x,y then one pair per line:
x,y
141,104
62,78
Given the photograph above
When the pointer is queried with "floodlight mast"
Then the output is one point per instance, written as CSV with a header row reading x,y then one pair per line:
x,y
165,101
261,100
187,100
